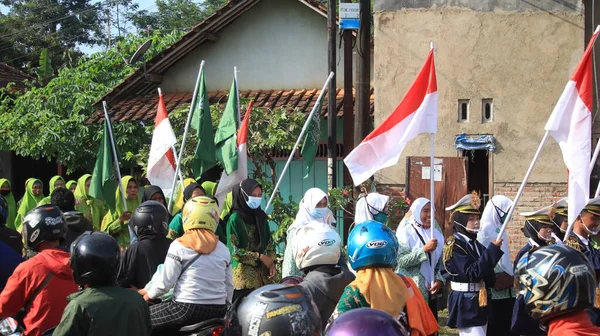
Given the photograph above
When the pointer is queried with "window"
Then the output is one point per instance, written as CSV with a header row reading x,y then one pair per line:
x,y
487,110
463,110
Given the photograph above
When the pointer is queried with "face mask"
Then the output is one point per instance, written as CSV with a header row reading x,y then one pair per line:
x,y
381,217
593,233
468,230
320,212
4,192
254,202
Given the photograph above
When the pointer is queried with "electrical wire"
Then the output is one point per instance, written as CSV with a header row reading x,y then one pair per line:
x,y
51,47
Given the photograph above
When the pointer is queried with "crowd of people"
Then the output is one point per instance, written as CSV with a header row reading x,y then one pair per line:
x,y
72,265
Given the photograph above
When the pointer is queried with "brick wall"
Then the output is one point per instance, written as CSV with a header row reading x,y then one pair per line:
x,y
396,192
535,196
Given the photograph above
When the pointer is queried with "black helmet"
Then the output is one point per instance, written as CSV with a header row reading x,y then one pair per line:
x,y
3,211
44,223
95,259
282,310
555,280
149,218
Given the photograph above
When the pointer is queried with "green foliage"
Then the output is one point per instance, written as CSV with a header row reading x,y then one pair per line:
x,y
44,71
50,121
175,14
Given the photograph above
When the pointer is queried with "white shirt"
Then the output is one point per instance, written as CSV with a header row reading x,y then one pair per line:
x,y
208,280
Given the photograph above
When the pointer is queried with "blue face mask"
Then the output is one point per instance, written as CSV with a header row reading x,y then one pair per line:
x,y
320,212
254,202
380,217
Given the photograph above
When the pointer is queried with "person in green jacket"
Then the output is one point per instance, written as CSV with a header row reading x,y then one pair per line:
x,y
116,222
176,225
90,207
102,307
71,185
33,195
6,193
55,182
249,240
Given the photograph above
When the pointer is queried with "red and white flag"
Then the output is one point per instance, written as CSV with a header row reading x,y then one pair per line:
x,y
227,182
416,114
571,126
161,163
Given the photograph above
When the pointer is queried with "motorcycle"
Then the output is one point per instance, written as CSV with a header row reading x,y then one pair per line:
x,y
212,327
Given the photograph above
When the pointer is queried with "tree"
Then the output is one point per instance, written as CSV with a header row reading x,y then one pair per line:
x,y
50,121
59,26
175,14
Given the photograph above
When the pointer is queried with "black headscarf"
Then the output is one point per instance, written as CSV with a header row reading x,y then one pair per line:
x,y
462,218
256,217
531,229
189,190
558,219
151,190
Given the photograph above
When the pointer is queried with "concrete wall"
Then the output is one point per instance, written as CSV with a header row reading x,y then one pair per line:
x,y
278,44
518,55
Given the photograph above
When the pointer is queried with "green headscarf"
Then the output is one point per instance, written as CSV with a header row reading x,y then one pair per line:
x,y
70,183
28,202
209,187
111,223
12,205
90,207
47,199
228,204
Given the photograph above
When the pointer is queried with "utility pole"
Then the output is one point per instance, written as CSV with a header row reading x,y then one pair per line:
x,y
108,28
348,117
331,94
362,117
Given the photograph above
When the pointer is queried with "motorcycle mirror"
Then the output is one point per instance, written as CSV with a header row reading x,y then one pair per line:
x,y
8,327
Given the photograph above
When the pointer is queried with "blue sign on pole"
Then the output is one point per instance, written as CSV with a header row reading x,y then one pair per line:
x,y
349,15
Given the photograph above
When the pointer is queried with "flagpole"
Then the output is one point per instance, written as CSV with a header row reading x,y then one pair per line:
x,y
177,163
185,131
520,191
237,96
306,123
114,150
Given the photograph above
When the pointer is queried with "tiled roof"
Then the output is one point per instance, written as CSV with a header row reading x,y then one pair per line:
x,y
8,74
143,108
136,84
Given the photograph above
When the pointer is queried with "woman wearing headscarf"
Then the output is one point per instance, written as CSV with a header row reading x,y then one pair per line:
x,y
176,224
313,207
178,201
116,222
71,185
503,293
33,195
6,193
90,207
419,255
470,268
560,220
538,228
209,188
371,207
249,240
55,182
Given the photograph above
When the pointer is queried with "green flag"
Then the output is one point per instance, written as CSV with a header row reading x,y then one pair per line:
x,y
204,157
311,138
104,183
225,140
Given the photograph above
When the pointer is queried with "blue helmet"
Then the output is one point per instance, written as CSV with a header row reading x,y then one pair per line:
x,y
372,243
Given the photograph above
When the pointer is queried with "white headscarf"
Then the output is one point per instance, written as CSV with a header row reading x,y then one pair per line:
x,y
307,206
490,224
408,235
362,211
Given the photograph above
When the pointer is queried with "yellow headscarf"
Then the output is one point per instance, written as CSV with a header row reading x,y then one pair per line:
x,y
28,202
179,195
382,288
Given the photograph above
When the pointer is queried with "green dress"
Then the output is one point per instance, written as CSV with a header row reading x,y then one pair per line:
x,y
111,223
12,205
248,271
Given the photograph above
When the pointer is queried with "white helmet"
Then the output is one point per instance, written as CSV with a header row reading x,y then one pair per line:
x,y
316,243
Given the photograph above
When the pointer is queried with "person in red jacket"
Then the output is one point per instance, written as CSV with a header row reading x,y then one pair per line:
x,y
558,286
38,288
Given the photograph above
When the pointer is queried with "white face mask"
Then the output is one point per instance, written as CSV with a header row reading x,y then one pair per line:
x,y
320,212
468,230
254,202
593,233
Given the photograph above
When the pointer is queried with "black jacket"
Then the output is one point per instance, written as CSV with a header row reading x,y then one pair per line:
x,y
140,261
